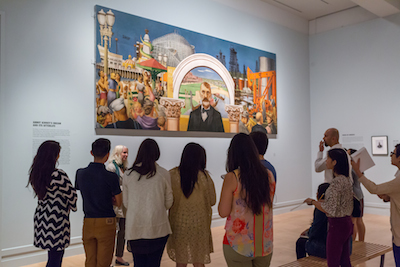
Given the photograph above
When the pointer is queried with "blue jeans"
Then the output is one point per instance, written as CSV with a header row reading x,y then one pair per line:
x,y
396,254
316,248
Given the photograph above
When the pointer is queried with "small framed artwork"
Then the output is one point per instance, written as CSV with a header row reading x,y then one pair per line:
x,y
379,145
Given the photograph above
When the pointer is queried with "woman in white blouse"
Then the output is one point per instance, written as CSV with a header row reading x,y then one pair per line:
x,y
338,206
147,197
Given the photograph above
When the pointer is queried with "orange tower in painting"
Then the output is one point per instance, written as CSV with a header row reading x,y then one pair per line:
x,y
261,94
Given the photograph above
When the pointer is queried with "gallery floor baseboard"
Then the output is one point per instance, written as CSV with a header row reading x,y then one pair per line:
x,y
377,209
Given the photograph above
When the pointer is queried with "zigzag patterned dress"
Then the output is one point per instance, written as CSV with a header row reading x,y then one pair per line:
x,y
51,220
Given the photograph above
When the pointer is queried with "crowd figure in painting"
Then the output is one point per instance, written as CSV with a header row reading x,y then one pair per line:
x,y
129,104
149,208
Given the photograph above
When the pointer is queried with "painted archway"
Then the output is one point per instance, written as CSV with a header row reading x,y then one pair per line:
x,y
202,60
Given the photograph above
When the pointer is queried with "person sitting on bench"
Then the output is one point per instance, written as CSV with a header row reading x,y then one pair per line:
x,y
313,240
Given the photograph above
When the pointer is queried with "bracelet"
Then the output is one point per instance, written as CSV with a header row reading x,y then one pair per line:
x,y
312,201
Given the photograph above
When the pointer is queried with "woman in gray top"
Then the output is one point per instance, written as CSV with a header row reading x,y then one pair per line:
x,y
358,210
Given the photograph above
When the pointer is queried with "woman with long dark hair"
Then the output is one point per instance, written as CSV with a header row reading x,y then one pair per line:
x,y
118,163
190,215
56,198
246,199
147,197
338,206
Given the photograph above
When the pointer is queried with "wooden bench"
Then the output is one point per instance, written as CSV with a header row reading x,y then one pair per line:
x,y
362,252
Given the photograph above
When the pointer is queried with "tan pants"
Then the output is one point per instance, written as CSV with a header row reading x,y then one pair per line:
x,y
234,259
98,240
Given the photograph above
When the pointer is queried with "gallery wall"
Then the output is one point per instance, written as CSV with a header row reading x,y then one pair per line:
x,y
1,115
48,76
354,78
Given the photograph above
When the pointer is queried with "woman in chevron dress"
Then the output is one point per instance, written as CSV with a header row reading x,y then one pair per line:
x,y
56,198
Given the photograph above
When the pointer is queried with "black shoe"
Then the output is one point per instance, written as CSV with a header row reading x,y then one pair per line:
x,y
117,262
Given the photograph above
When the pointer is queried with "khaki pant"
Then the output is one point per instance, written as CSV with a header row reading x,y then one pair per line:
x,y
98,240
234,259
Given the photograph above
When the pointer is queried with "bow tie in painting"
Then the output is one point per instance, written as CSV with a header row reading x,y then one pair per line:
x,y
204,114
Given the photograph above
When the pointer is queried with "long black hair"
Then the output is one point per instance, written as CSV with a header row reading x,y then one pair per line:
x,y
342,162
321,190
243,155
193,161
397,150
43,165
145,162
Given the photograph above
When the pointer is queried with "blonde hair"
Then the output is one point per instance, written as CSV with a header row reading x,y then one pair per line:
x,y
116,155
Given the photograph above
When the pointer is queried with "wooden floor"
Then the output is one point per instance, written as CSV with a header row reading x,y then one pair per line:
x,y
287,228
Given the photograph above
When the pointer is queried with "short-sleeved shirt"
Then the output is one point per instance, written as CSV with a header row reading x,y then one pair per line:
x,y
97,186
269,166
357,187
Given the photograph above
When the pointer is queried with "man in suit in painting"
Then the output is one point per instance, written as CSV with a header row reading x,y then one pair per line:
x,y
205,117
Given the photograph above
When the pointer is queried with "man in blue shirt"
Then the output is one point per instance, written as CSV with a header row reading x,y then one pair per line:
x,y
260,139
100,189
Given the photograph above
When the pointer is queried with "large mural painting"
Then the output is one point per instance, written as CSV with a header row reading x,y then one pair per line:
x,y
154,76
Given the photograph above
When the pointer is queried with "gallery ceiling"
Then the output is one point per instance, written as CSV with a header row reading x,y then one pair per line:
x,y
314,9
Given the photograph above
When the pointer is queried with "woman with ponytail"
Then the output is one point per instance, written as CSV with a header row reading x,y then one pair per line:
x,y
147,196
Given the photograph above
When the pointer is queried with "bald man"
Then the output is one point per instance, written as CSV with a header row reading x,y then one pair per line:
x,y
331,139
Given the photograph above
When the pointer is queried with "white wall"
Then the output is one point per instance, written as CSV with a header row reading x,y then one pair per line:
x,y
1,113
354,77
49,76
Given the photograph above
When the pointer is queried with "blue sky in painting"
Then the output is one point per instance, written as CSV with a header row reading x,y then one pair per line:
x,y
206,73
129,28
